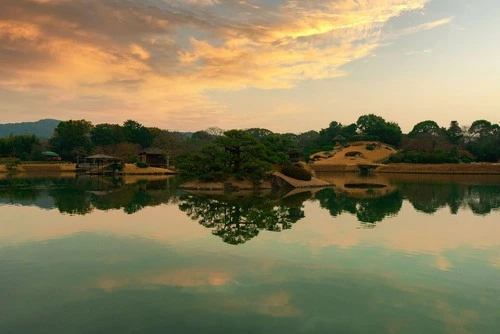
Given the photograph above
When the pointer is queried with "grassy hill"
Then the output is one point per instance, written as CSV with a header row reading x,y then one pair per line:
x,y
42,128
354,153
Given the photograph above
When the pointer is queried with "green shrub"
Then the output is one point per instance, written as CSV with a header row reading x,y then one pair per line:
x,y
118,165
296,172
370,147
142,164
7,161
438,157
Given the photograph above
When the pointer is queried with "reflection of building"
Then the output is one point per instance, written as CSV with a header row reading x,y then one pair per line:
x,y
153,157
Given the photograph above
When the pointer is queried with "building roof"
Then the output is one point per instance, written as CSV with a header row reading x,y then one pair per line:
x,y
50,154
339,137
152,151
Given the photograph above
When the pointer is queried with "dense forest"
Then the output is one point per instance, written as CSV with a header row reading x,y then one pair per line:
x,y
252,151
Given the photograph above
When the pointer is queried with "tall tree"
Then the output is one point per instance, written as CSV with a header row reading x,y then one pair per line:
x,y
107,134
245,153
426,128
484,140
373,126
455,133
71,136
136,133
428,135
24,147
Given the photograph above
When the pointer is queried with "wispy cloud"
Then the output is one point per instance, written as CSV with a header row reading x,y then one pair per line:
x,y
427,26
418,52
160,57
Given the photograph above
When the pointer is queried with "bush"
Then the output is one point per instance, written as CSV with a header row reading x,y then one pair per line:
x,y
10,161
296,172
118,165
438,157
142,164
370,147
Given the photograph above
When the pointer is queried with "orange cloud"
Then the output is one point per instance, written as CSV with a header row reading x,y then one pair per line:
x,y
160,59
183,277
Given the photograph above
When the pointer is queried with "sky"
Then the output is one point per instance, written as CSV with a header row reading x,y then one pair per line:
x,y
284,65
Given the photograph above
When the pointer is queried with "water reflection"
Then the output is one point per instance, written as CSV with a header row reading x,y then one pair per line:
x,y
481,199
237,220
83,195
113,272
369,211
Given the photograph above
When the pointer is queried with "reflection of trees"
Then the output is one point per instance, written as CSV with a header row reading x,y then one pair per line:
x,y
71,200
238,220
19,190
82,195
430,197
134,197
369,211
482,199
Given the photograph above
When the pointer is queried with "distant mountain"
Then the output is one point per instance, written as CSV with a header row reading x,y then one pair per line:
x,y
42,128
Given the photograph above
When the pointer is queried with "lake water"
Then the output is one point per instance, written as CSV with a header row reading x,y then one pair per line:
x,y
102,255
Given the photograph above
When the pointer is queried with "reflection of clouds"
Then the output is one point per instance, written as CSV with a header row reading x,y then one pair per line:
x,y
276,304
410,232
188,278
442,262
29,224
169,53
456,322
182,277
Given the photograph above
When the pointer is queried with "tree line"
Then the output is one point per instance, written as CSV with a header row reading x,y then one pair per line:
x,y
251,151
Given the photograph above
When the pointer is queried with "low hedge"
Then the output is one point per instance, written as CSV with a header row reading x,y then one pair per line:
x,y
142,165
296,172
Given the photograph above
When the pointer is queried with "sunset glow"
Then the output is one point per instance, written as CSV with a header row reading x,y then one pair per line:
x,y
285,65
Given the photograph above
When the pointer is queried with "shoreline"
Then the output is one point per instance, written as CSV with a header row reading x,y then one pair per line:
x,y
67,168
405,168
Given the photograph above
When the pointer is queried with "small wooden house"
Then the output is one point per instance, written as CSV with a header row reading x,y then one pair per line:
x,y
339,140
294,155
153,157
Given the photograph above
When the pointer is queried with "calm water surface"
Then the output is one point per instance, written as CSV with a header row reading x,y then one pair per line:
x,y
101,255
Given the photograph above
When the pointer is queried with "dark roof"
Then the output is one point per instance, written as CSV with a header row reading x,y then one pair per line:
x,y
152,150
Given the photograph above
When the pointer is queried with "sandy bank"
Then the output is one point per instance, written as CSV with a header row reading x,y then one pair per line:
x,y
40,168
238,185
129,169
313,183
473,168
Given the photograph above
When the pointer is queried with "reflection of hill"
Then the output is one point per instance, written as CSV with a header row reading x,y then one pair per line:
x,y
361,186
369,211
237,220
